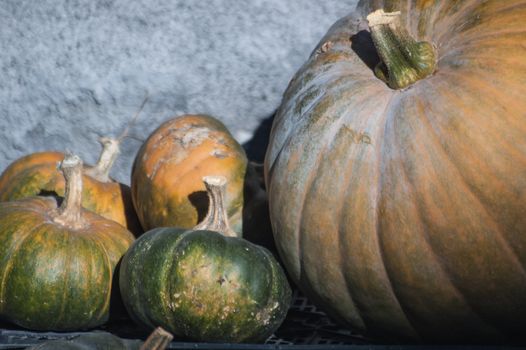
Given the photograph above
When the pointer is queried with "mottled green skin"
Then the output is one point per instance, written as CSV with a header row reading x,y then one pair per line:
x,y
204,286
53,277
90,341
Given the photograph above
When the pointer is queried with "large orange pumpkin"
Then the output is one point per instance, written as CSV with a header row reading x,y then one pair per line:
x,y
37,174
397,171
166,178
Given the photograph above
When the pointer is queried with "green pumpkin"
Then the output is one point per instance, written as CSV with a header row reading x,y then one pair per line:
x,y
57,263
204,283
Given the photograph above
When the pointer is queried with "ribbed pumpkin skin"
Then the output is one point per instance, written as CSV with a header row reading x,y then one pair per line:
x,y
402,213
204,286
54,277
167,189
37,173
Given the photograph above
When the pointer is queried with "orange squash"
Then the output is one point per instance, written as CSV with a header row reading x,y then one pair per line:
x,y
37,174
166,178
396,171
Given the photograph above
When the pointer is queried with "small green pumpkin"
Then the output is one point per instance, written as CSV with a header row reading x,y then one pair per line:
x,y
205,283
57,262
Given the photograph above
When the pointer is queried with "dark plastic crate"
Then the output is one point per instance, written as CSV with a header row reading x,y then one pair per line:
x,y
305,328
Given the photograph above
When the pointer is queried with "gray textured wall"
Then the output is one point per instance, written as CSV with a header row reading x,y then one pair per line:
x,y
74,70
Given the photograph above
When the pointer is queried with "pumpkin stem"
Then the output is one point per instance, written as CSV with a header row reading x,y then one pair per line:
x,y
216,219
158,340
110,152
69,212
404,60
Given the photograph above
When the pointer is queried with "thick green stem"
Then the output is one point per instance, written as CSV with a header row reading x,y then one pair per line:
x,y
404,60
216,219
110,152
69,212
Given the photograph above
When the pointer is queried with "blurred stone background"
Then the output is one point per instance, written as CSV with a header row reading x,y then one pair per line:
x,y
73,70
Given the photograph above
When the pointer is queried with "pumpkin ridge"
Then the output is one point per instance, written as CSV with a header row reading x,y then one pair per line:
x,y
431,21
433,254
304,114
106,254
171,271
345,187
452,47
469,189
517,154
128,280
16,205
510,146
299,240
488,41
15,250
388,115
421,215
307,188
288,138
494,92
460,36
274,275
407,20
326,93
65,235
312,176
142,297
332,131
453,15
446,155
446,271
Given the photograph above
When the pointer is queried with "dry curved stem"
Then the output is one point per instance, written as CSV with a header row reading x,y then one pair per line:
x,y
157,340
126,130
110,151
216,218
70,213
